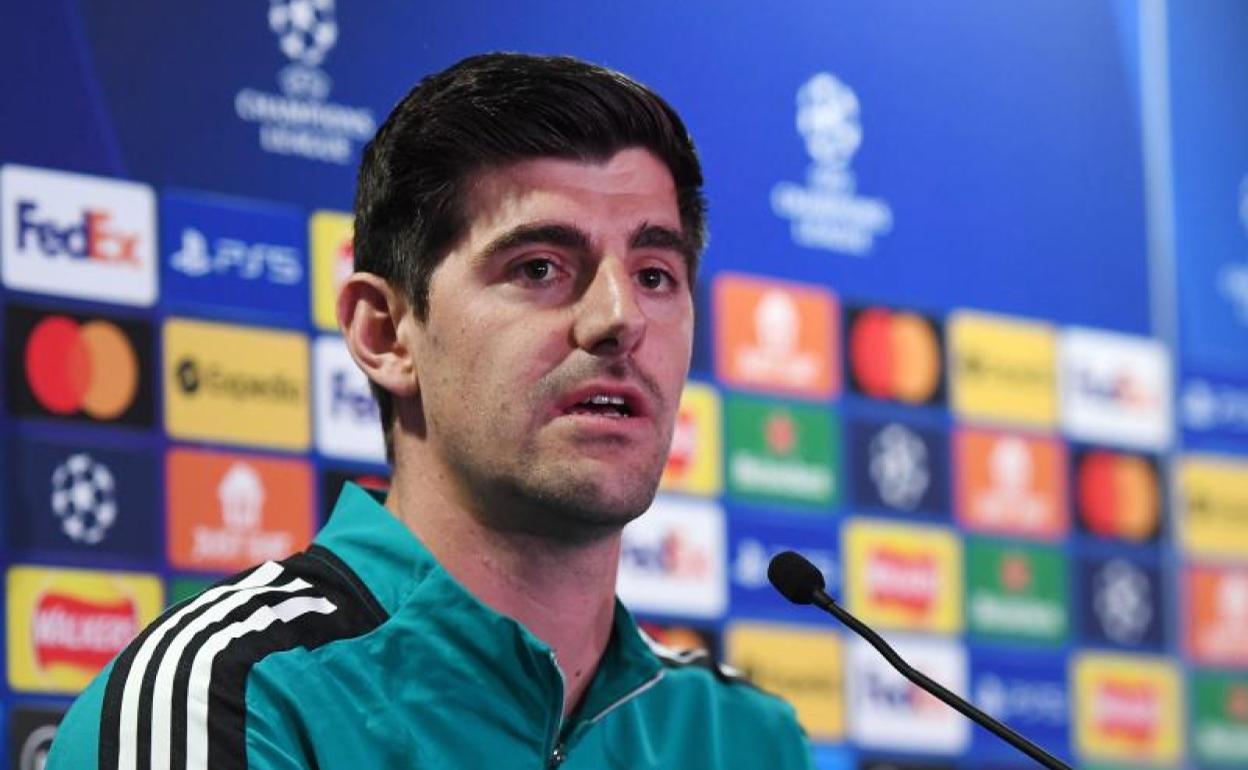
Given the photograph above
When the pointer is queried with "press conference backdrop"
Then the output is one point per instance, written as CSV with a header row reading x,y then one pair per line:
x,y
972,334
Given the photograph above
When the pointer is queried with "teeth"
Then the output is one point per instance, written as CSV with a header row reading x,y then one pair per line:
x,y
605,400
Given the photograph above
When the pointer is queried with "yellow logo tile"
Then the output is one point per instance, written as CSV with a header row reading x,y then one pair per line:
x,y
1127,709
693,465
65,625
801,665
329,240
904,577
1003,369
236,384
1214,505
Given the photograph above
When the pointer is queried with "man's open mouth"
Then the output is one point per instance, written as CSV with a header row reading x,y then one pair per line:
x,y
602,406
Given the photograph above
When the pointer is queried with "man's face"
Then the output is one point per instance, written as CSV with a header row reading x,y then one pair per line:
x,y
557,342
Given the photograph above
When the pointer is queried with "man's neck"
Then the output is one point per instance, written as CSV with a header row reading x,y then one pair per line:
x,y
563,594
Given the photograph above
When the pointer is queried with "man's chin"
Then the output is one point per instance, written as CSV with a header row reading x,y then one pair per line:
x,y
582,506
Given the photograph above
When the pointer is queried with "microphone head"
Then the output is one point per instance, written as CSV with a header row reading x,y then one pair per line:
x,y
795,577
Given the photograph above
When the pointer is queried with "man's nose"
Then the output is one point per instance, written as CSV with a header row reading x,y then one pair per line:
x,y
609,320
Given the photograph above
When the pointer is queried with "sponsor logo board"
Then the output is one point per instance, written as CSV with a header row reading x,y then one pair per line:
x,y
330,236
1118,495
348,420
1115,389
31,731
801,665
227,252
1029,693
694,462
1002,369
227,512
236,384
1127,709
899,467
755,539
887,711
64,625
782,452
81,368
1120,603
827,212
1016,592
1010,484
776,337
1214,494
1216,623
77,236
65,496
1220,719
895,355
904,577
673,560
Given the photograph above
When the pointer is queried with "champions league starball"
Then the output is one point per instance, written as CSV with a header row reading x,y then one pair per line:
x,y
306,29
84,498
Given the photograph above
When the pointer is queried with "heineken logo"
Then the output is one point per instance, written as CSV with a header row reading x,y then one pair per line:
x,y
1016,592
782,452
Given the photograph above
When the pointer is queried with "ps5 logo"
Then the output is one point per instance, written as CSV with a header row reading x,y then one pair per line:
x,y
1233,277
229,256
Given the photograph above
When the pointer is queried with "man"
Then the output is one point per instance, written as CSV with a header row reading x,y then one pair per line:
x,y
527,234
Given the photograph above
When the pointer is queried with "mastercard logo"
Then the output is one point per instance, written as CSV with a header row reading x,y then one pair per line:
x,y
88,367
1118,495
894,355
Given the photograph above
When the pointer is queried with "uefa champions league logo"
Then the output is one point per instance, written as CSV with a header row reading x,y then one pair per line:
x,y
306,31
827,212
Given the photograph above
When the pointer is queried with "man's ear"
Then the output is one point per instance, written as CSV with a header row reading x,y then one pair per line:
x,y
373,317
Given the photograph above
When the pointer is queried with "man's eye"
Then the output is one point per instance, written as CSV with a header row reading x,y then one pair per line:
x,y
656,278
537,270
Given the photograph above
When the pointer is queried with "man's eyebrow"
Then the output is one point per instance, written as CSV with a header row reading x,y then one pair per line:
x,y
564,236
648,236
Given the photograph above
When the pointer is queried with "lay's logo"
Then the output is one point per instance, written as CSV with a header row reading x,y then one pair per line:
x,y
1127,709
904,577
902,580
65,625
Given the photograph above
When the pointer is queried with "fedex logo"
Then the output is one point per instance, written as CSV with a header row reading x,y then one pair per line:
x,y
673,560
348,399
77,236
674,555
348,422
888,692
94,236
887,711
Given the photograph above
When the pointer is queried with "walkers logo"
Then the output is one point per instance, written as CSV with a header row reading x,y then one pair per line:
x,y
67,497
782,452
300,121
827,212
1214,406
332,482
777,337
1214,492
1121,603
78,367
1003,369
1220,719
1027,692
333,260
898,467
904,577
887,711
348,420
227,512
77,236
1118,495
801,665
1127,709
693,464
237,384
1115,389
31,731
64,625
673,562
1216,626
755,540
1010,484
1016,592
895,355
224,252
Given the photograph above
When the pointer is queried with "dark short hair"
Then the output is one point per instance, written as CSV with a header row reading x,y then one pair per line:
x,y
486,112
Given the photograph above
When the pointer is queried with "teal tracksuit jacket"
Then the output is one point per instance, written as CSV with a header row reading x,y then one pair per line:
x,y
363,653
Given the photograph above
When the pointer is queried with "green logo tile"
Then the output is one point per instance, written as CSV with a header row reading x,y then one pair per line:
x,y
782,452
1220,719
1016,592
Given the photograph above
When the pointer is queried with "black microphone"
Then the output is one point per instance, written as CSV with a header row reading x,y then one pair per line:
x,y
801,583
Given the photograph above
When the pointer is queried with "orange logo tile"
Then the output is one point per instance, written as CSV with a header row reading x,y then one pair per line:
x,y
1216,628
776,337
1011,484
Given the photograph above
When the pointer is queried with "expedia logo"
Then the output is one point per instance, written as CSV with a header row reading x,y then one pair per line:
x,y
79,367
1003,369
195,378
84,634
